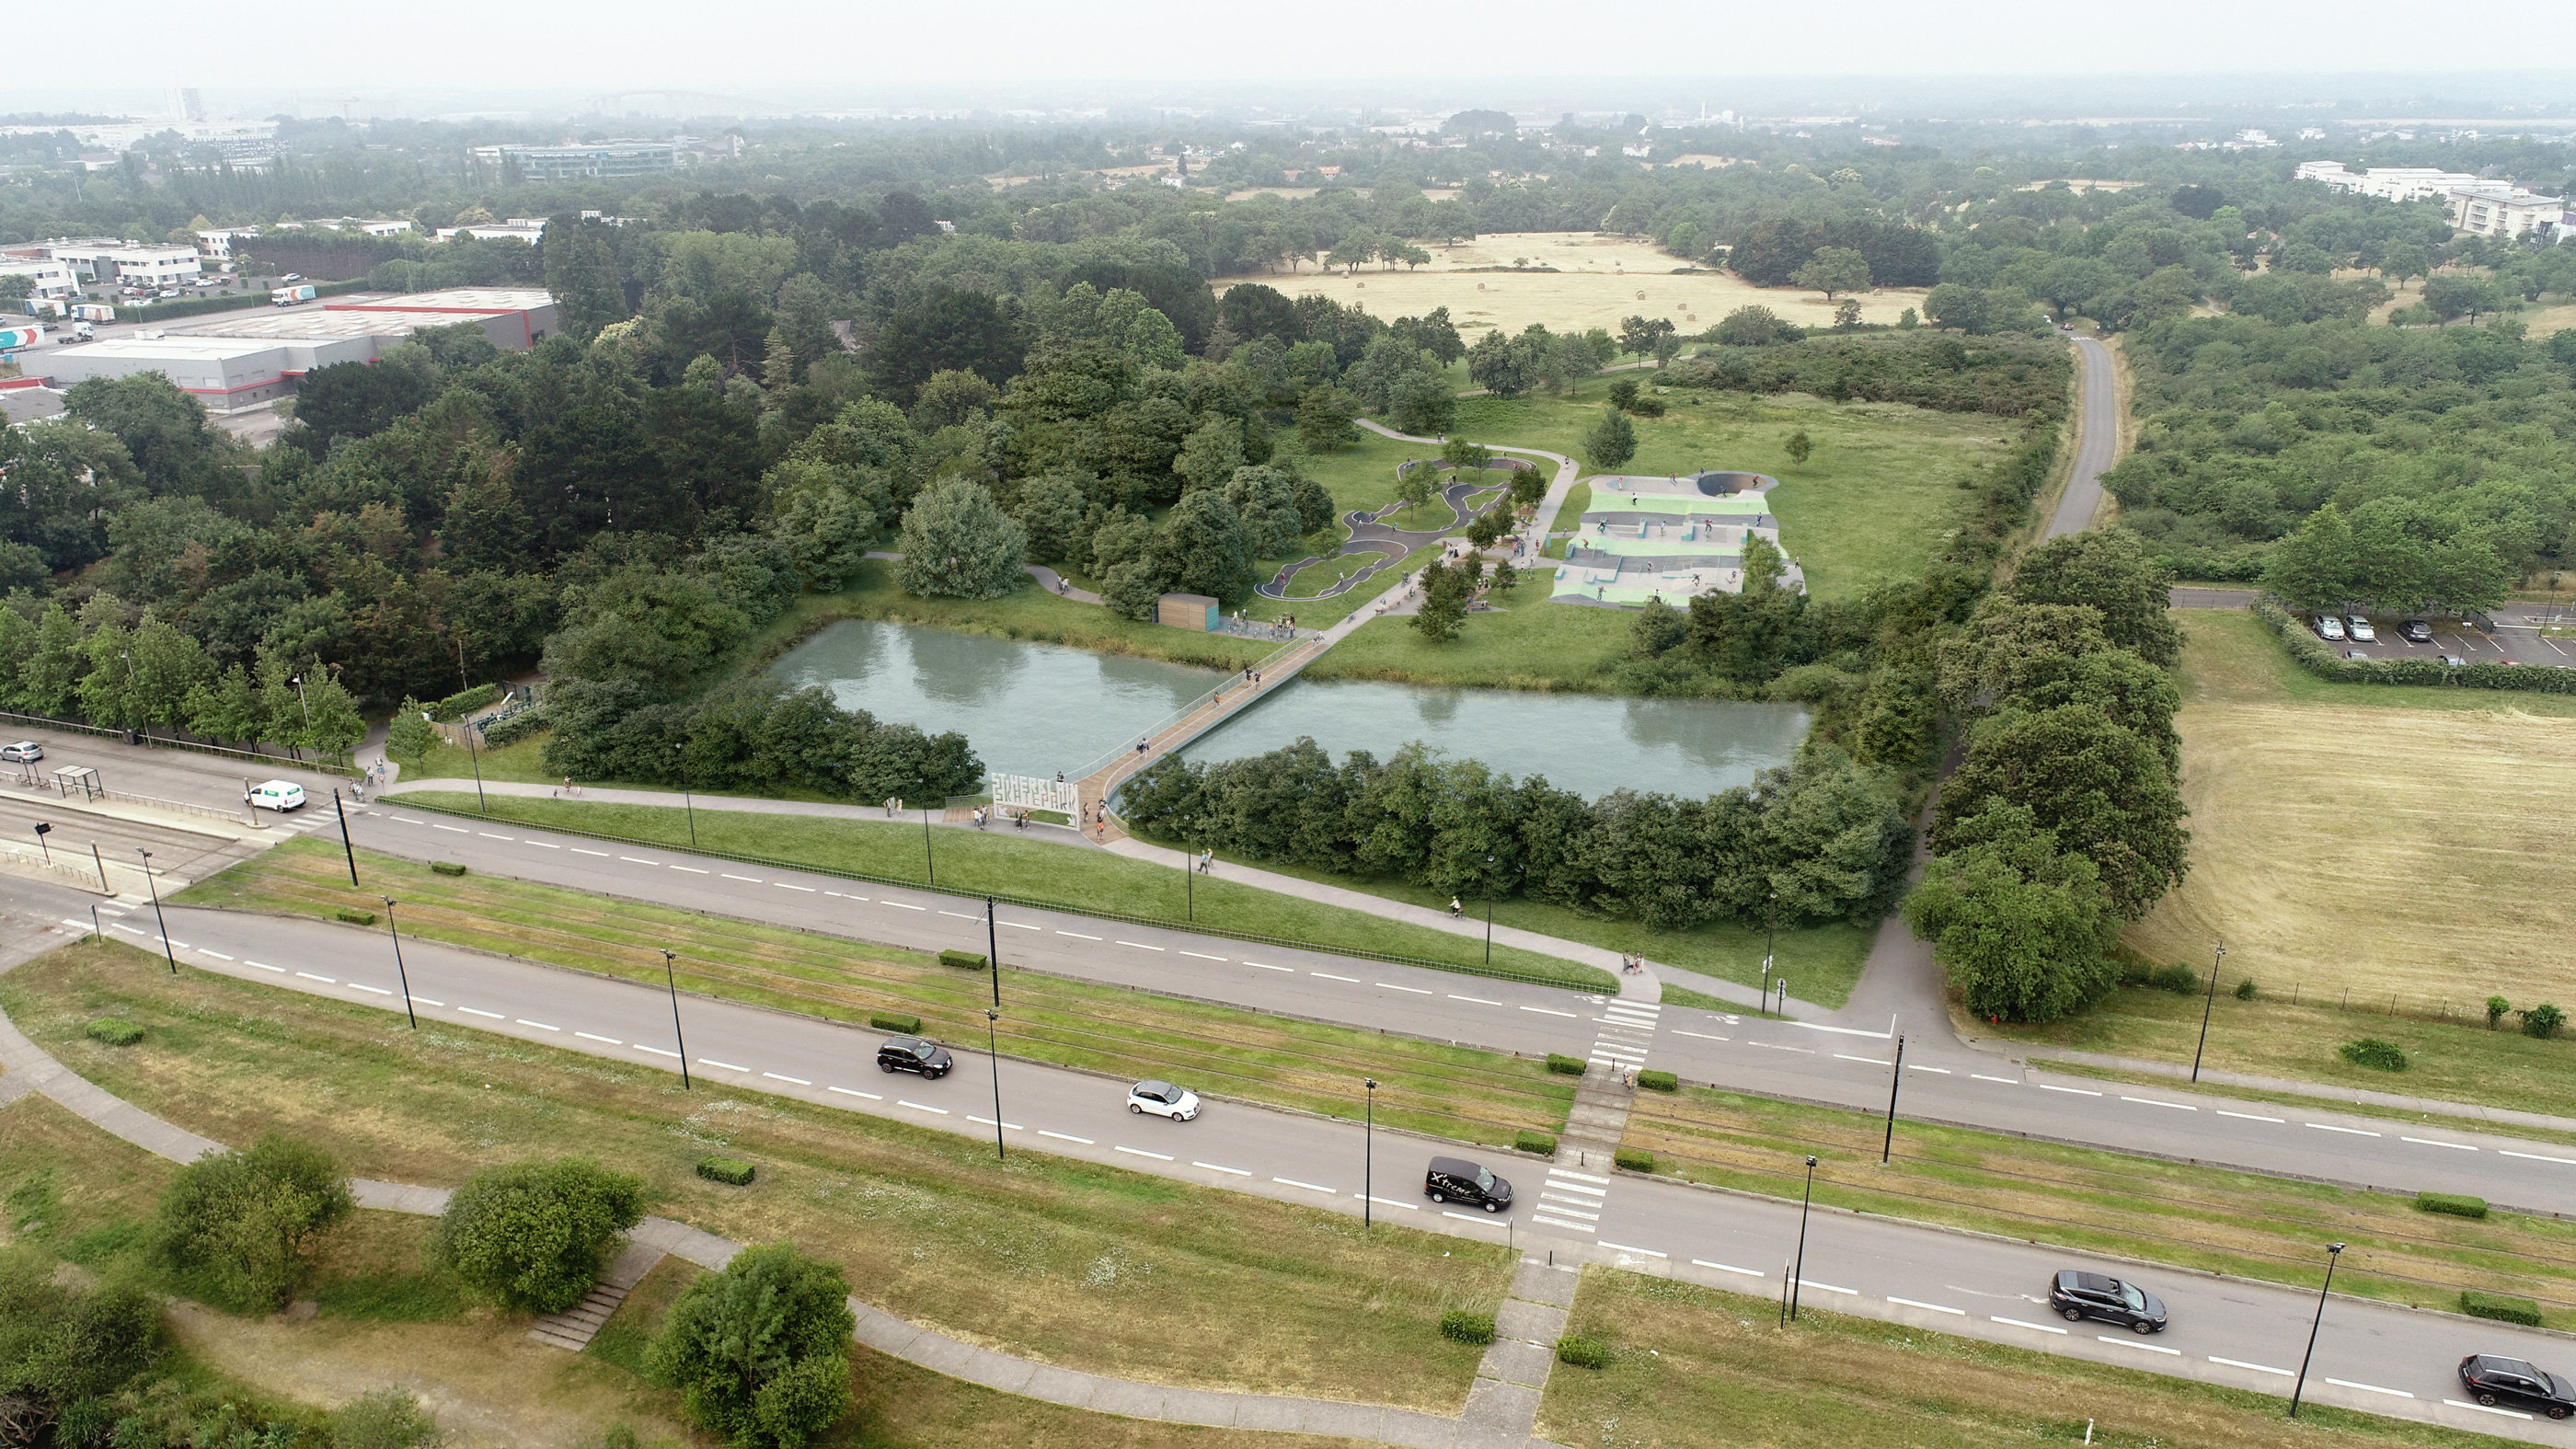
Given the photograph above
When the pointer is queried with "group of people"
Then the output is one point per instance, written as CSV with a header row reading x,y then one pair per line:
x,y
1631,964
1019,818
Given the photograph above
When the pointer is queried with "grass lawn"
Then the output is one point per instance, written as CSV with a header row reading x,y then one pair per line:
x,y
1526,643
2164,1212
1720,1372
974,860
1451,1091
1074,1263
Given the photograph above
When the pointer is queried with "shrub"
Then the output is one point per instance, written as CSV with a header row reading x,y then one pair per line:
x,y
1659,1081
2502,1307
2497,1006
514,729
62,1343
113,1030
1460,1326
730,1170
2371,1052
1535,1142
2542,1021
2458,1205
966,959
1635,1159
356,918
2181,980
389,1418
1568,1066
760,1352
895,1022
531,1235
245,1225
447,867
1582,1352
457,706
2245,989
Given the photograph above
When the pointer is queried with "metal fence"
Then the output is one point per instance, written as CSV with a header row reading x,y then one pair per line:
x,y
328,767
1112,756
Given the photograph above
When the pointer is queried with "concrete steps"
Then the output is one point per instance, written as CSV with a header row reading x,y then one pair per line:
x,y
575,1327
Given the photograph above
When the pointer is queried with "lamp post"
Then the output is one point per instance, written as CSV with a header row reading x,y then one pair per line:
x,y
43,830
2334,1251
157,917
1798,1273
400,974
1189,874
346,848
992,1020
687,804
672,982
1887,1149
929,867
2205,1007
1770,915
1368,1149
1489,910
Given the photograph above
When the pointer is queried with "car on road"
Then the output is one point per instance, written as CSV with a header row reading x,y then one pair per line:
x,y
914,1054
2359,628
2329,627
22,751
2078,1296
1162,1099
278,795
2492,1379
292,277
2416,631
1455,1179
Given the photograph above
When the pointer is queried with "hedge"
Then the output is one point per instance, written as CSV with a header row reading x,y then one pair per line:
x,y
514,729
1460,1326
113,1030
890,1021
1568,1066
447,867
1659,1081
1535,1142
464,702
2502,1307
2458,1205
967,959
2371,1052
356,918
1635,1159
1581,1352
2312,655
731,1170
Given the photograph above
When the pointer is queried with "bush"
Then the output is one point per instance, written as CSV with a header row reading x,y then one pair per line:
x,y
1659,1081
760,1352
1565,1065
2542,1021
2245,989
1581,1352
1535,1142
2458,1205
458,706
2371,1052
967,960
245,1226
729,1170
895,1022
1635,1159
531,1235
447,867
2502,1307
2497,1006
514,729
2181,980
113,1030
389,1418
355,918
1460,1326
61,1343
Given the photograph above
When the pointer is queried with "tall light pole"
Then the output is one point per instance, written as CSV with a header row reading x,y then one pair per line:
x,y
1770,914
929,867
400,974
672,982
1887,1149
2334,1251
346,848
2205,1008
1368,1149
1799,1273
157,917
992,1019
687,804
1489,910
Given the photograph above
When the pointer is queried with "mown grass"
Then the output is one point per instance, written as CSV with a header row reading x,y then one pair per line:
x,y
1078,1264
2229,656
1693,1366
978,861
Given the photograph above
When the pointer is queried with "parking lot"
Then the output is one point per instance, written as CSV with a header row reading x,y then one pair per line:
x,y
2535,634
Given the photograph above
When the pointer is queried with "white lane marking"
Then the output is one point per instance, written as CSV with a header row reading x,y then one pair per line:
x,y
1202,956
2018,1323
1453,996
1945,1071
2250,1117
1577,1176
1540,1217
1561,1210
961,915
1141,1152
1624,1248
459,829
727,1066
1014,925
309,976
1141,946
989,1122
848,1092
775,1077
2007,1081
1777,1047
1491,1222
1703,1036
809,890
1919,1303
402,819
638,860
539,1025
2371,1388
639,1046
1416,990
1380,1201
1596,1193
488,835
361,986
1828,1287
916,1106
1729,1268
1077,935
1310,1187
2347,1131
496,1016
2133,1341
2429,1142
2484,1409
729,875
2152,1102
1543,1011
691,869
1841,1030
1329,976
425,1001
1846,1057
2536,1157
586,1036
2077,1091
184,946
218,955
1291,970
577,850
1066,1137
121,926
1229,1171
548,844
909,906
2260,1368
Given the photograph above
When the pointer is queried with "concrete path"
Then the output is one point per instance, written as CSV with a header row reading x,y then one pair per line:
x,y
1567,471
2184,598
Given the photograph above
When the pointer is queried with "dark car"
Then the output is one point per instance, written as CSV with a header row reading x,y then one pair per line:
x,y
914,1054
2416,631
2079,1296
2493,1379
1455,1179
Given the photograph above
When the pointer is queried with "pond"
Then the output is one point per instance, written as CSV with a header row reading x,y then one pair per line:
x,y
1034,709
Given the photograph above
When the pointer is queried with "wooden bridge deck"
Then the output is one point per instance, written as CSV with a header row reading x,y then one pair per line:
x,y
1099,785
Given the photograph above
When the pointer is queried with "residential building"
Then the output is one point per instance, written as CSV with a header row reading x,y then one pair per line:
x,y
2504,212
606,159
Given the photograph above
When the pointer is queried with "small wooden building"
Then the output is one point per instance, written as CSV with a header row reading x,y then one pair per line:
x,y
1195,612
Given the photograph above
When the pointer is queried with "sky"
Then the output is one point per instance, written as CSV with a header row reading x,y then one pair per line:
x,y
815,53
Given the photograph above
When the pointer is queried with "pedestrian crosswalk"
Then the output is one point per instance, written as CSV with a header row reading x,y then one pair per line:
x,y
1627,1029
1571,1200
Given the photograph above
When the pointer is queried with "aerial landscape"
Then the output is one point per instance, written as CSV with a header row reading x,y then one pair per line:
x,y
1646,741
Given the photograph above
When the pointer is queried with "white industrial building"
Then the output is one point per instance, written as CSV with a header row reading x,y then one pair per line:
x,y
47,277
130,263
2505,211
570,162
2388,183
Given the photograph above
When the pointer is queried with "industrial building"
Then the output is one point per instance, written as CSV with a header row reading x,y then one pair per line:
x,y
570,162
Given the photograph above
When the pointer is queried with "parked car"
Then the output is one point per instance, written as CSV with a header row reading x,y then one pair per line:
x,y
1163,1100
2359,628
2078,1296
2357,654
278,795
2455,661
22,752
914,1054
292,277
1455,1179
2329,627
2416,631
171,292
2493,1379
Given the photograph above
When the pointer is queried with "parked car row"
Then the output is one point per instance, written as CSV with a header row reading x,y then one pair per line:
x,y
2335,629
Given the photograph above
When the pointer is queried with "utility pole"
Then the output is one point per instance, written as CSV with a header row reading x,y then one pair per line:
x,y
2205,1007
399,973
157,917
346,848
2334,1251
1888,1148
672,982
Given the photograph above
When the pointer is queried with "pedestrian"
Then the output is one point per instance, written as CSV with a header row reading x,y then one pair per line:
x,y
1455,909
1207,861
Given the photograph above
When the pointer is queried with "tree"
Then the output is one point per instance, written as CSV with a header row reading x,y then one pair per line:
x,y
247,1225
1611,442
1052,509
581,274
531,1235
1324,417
1202,548
1210,454
2107,569
1834,269
950,329
389,1418
1799,447
1503,365
62,1343
1421,405
1755,326
1445,591
760,1352
2021,926
407,736
1460,453
1637,334
1265,498
2102,790
957,541
1847,313
1414,487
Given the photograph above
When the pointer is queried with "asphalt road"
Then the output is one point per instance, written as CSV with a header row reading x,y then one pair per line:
x,y
2098,447
2370,1356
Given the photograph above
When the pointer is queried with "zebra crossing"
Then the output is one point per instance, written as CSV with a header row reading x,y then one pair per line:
x,y
1578,1182
1571,1199
1627,1029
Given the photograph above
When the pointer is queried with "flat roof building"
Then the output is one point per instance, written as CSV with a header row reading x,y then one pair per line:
x,y
568,162
1646,538
2505,211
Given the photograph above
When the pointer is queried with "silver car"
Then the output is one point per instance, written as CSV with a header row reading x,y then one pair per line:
x,y
1162,1099
2330,627
22,752
2360,630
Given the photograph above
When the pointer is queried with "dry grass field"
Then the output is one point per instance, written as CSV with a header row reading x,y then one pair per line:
x,y
1598,280
2413,841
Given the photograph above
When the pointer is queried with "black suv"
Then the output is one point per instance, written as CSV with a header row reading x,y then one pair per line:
x,y
1455,1179
914,1054
2493,1379
2080,1296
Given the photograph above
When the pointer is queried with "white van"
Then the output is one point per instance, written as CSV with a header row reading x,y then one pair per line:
x,y
278,795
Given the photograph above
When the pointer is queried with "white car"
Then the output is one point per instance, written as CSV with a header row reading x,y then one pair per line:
x,y
22,751
2329,627
2360,630
1163,1100
278,795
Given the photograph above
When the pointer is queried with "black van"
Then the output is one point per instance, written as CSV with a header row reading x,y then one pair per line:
x,y
1455,1179
914,1054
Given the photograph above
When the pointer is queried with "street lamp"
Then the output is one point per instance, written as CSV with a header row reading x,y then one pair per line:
x,y
1770,914
1368,1148
1189,874
2205,1005
1798,1273
1887,1149
672,982
2334,1251
993,1054
929,867
687,804
400,974
1489,910
157,917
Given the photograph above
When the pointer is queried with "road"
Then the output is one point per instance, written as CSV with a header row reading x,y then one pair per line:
x,y
2097,445
2369,1356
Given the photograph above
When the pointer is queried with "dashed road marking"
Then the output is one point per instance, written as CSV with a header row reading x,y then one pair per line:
x,y
1624,1248
724,1066
1139,945
989,1122
2487,1409
1473,1000
1255,965
2132,1341
853,1092
459,829
1729,1268
1544,1011
638,860
1847,1057
2260,1368
1066,1137
1202,955
2152,1102
539,1025
1828,1287
1077,935
2250,1116
916,1106
2018,1323
2429,1142
657,1051
1229,1171
751,879
1416,990
577,850
2371,1388
1310,1187
909,906
309,976
1919,1303
2347,1131
1945,1071
1141,1152
1982,1077
809,890
2536,1157
488,835
775,1077
2075,1091
1703,1036
362,986
496,1016
1329,976
586,1036
691,869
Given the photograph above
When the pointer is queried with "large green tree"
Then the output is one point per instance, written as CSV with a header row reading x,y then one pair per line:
x,y
760,1353
2106,569
247,1225
1834,269
1611,442
957,541
532,1235
2100,789
2020,925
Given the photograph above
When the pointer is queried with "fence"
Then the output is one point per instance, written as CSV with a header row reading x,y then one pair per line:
x,y
336,766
